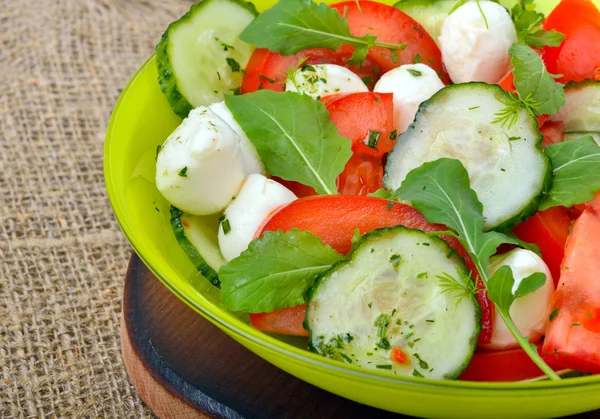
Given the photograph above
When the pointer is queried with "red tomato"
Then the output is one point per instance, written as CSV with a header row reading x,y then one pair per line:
x,y
549,230
362,175
501,366
573,334
391,25
508,83
300,190
553,132
333,218
356,114
287,321
578,57
267,70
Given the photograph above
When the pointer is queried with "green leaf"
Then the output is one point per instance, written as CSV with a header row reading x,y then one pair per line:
x,y
384,194
533,81
499,288
576,172
294,137
528,26
541,38
275,271
294,25
530,284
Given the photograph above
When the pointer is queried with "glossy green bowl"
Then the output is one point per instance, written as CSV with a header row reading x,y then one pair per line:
x,y
141,121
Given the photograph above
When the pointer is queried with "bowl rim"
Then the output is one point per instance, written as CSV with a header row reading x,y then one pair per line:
x,y
216,314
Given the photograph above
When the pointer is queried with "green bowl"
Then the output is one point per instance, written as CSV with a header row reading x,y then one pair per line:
x,y
142,120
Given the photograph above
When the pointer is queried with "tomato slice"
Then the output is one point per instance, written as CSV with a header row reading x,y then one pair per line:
x,y
334,218
267,70
358,114
549,230
362,175
578,57
391,25
553,132
573,334
286,321
502,366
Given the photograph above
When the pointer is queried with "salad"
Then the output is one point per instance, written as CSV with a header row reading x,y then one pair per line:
x,y
412,189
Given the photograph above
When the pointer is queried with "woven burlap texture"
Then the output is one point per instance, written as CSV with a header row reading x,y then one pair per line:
x,y
62,256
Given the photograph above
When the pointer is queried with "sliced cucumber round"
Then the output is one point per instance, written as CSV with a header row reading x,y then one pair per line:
x,y
403,303
200,57
197,236
507,167
429,13
581,113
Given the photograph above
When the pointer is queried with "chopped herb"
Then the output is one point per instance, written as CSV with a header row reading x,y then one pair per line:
x,y
265,78
389,205
416,340
233,64
384,343
382,322
370,304
369,353
393,135
395,260
346,359
372,250
409,335
367,80
348,338
384,367
502,169
422,275
430,321
398,322
394,55
422,363
373,139
411,345
157,210
219,75
589,315
226,226
553,314
158,148
474,107
514,138
183,172
260,85
417,58
416,373
426,244
555,352
576,324
415,73
237,91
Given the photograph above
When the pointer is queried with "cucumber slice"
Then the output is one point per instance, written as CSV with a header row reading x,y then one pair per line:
x,y
429,13
197,236
507,167
581,113
401,292
200,57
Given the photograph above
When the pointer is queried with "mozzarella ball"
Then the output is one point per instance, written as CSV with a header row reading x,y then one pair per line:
x,y
411,85
320,80
199,169
530,312
252,161
470,50
258,197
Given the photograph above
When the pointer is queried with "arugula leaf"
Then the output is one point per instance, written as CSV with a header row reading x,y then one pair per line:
x,y
533,81
530,284
384,194
576,172
275,271
500,287
528,26
294,137
294,25
440,190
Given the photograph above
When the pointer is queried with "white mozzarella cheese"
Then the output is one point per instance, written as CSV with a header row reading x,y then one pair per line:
x,y
470,50
258,197
199,168
411,85
320,80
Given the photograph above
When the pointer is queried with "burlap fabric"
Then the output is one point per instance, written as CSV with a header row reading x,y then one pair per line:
x,y
62,256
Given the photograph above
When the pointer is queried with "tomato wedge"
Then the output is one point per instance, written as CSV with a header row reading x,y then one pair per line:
x,y
549,230
391,25
573,334
267,70
553,132
362,175
502,366
334,218
358,114
286,321
578,57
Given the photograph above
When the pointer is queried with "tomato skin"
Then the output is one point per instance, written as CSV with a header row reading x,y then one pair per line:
x,y
286,321
548,230
573,335
333,218
501,366
578,57
264,64
393,26
355,114
362,175
553,132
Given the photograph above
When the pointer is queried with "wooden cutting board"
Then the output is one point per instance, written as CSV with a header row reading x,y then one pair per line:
x,y
184,367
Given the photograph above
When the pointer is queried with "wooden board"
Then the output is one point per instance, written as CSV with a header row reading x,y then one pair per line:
x,y
184,367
